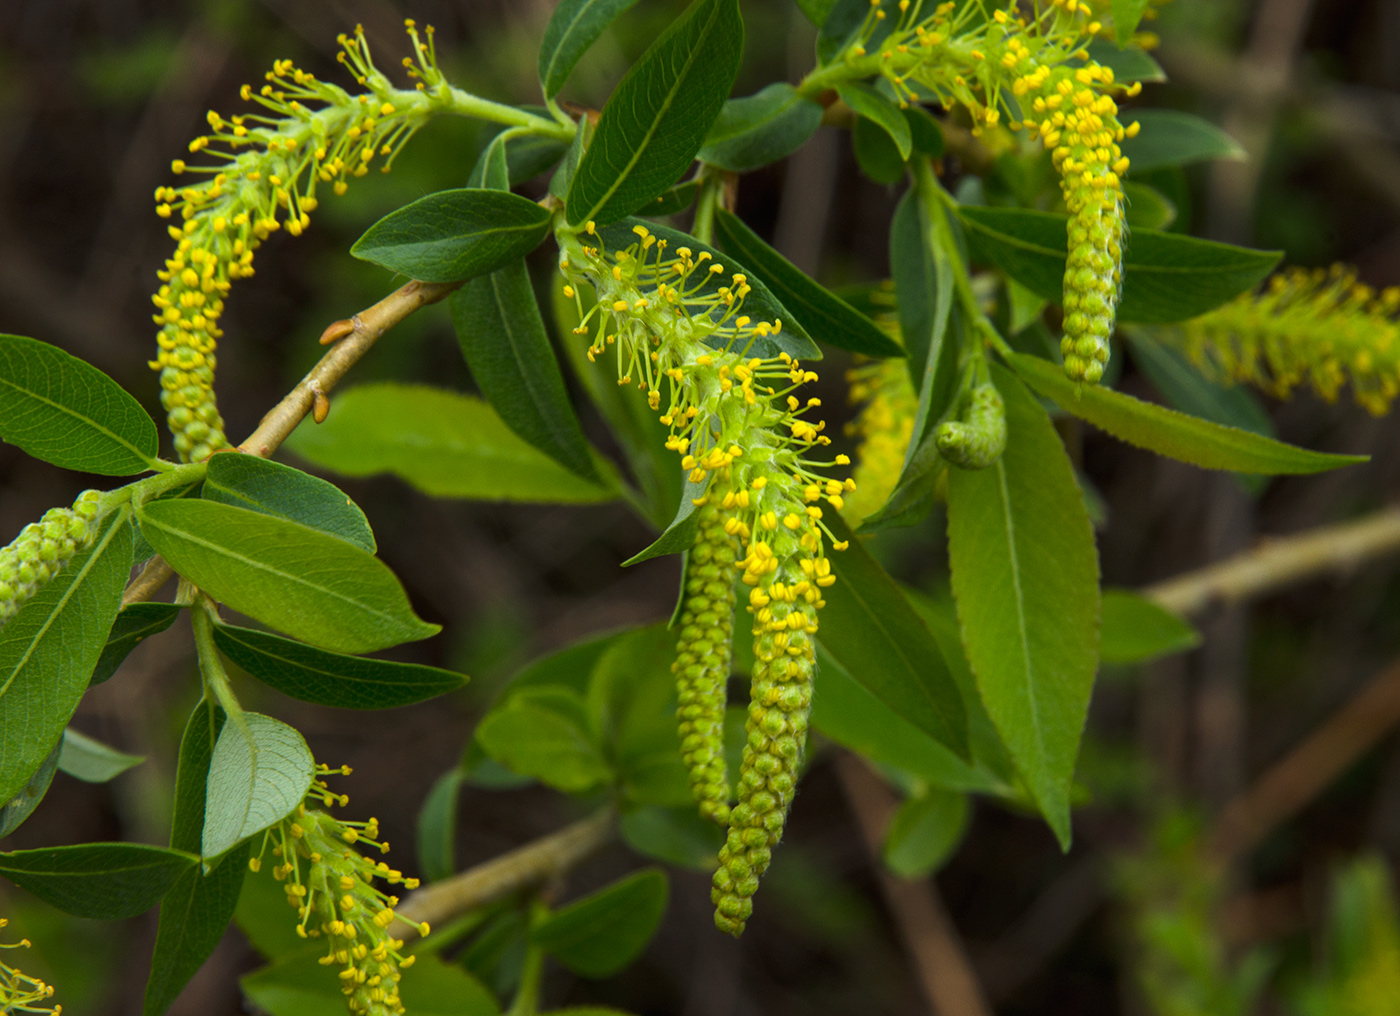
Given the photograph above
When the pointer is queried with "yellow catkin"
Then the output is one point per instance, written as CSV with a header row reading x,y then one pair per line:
x,y
884,428
1315,326
19,992
43,549
703,654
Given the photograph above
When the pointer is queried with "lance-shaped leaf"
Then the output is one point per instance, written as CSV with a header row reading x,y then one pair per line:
x,y
92,761
68,413
258,772
761,304
1136,630
134,624
331,679
603,932
869,103
760,129
247,481
656,119
104,881
870,629
198,908
821,312
1166,276
1025,574
679,536
437,827
455,234
502,336
299,580
1169,137
574,26
49,648
443,443
22,805
1167,432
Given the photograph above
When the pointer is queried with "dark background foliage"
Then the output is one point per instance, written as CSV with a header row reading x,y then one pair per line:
x,y
96,97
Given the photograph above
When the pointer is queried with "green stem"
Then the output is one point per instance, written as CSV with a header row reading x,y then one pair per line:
x,y
455,100
703,228
527,996
211,667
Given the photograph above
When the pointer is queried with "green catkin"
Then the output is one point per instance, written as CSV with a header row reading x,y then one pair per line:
x,y
702,665
43,549
977,440
780,700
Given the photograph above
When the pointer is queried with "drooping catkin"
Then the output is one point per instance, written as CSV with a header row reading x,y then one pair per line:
x,y
703,653
885,426
976,440
43,549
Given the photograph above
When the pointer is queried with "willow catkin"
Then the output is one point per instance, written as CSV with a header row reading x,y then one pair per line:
x,y
703,653
976,440
43,549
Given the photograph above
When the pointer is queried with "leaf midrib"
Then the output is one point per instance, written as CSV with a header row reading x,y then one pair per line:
x,y
233,634
671,94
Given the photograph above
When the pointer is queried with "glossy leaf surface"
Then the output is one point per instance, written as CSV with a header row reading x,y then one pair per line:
x,y
573,27
133,625
247,481
104,881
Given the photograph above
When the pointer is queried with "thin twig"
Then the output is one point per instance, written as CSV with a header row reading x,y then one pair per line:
x,y
529,865
945,974
353,338
1279,562
1292,782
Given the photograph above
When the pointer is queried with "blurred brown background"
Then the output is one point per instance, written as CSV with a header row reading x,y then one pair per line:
x,y
96,98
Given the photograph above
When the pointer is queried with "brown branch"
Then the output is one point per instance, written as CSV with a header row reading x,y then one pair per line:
x,y
1325,754
941,964
530,865
353,338
1279,562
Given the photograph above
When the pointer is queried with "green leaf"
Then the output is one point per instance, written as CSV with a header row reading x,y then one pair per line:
x,y
455,234
850,715
1147,207
332,679
816,10
924,131
311,586
103,881
529,156
571,666
760,304
925,832
1167,432
542,732
678,836
656,119
92,761
68,413
133,625
1190,391
1169,137
491,170
872,105
1136,630
869,628
300,986
49,648
22,805
198,908
820,311
1166,276
1126,15
1128,65
258,774
443,443
437,827
1026,577
760,129
638,430
602,933
679,536
502,336
246,481
572,29
677,199
876,153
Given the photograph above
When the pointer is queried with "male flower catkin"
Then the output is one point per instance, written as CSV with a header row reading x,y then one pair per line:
x,y
43,549
885,425
264,176
1315,325
676,320
331,887
1056,91
702,665
18,991
977,439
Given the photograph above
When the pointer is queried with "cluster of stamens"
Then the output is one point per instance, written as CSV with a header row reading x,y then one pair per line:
x,y
331,887
18,991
